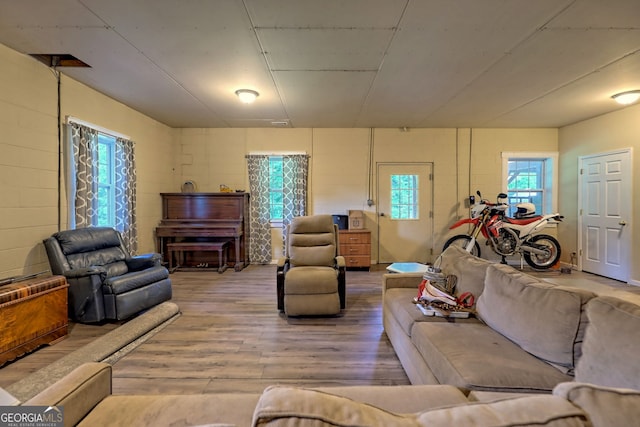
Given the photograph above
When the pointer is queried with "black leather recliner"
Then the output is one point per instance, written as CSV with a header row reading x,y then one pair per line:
x,y
105,282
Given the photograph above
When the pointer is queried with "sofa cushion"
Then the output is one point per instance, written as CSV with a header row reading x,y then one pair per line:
x,y
87,239
524,411
469,270
134,280
608,350
399,301
311,280
227,409
298,407
606,406
401,398
100,257
543,319
473,356
288,406
312,241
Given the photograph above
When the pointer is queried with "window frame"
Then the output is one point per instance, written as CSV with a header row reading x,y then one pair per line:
x,y
413,205
550,187
109,184
274,221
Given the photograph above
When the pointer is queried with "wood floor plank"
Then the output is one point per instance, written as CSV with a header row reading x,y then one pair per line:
x,y
231,333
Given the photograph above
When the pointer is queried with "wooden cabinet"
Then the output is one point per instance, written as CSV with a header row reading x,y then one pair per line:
x,y
355,246
32,313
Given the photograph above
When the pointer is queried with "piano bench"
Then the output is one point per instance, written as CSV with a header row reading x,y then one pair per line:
x,y
221,247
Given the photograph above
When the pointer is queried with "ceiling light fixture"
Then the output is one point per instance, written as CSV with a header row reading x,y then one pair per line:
x,y
628,97
247,96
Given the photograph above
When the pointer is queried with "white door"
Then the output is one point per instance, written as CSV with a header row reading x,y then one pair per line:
x,y
405,205
605,208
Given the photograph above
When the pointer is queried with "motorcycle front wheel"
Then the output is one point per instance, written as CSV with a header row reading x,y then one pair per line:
x,y
543,261
462,240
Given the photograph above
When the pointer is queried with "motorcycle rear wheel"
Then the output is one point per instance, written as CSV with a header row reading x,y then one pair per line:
x,y
462,240
539,261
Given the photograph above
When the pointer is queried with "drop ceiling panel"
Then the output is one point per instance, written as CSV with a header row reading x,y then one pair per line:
x,y
26,14
194,43
600,14
325,49
440,51
544,63
323,96
326,13
399,63
585,98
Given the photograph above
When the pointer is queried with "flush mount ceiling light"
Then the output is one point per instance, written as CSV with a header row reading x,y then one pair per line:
x,y
247,95
626,98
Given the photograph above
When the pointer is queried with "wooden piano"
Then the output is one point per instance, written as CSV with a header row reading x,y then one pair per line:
x,y
205,217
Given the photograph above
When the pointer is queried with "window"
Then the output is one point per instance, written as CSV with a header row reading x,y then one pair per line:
x,y
404,197
276,180
102,180
106,181
531,178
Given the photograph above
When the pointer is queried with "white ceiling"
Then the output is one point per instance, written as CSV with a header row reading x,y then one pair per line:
x,y
343,63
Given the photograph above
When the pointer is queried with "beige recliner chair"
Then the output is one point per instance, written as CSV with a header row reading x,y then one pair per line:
x,y
311,276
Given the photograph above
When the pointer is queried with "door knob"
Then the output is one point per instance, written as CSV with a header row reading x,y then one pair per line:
x,y
381,213
623,223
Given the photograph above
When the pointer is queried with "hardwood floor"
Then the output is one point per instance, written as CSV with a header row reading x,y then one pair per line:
x,y
230,337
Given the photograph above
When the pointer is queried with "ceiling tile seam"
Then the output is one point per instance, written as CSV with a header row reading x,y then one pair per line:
x,y
326,28
265,58
325,70
367,96
506,54
562,86
155,64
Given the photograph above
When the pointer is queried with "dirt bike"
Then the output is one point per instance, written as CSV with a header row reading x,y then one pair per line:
x,y
509,236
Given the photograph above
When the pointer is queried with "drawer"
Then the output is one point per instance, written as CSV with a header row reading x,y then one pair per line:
x,y
355,250
357,260
354,238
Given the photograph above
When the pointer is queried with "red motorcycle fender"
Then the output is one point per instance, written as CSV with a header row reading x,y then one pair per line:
x,y
463,221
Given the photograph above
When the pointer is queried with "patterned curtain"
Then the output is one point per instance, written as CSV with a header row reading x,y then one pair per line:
x,y
84,184
259,206
125,168
295,170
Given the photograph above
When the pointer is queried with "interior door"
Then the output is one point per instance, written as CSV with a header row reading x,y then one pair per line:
x,y
605,214
405,206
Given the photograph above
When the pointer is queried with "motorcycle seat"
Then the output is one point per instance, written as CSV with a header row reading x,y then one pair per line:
x,y
522,221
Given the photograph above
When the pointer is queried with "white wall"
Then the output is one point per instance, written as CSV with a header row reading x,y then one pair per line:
x,y
620,129
29,158
340,173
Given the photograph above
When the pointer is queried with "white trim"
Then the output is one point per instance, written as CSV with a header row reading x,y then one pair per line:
x,y
553,155
282,153
71,119
581,159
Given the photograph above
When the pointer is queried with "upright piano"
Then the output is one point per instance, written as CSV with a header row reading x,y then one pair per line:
x,y
206,217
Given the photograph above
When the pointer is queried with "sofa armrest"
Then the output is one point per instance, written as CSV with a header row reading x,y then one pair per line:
x,y
78,273
401,280
281,269
141,262
79,391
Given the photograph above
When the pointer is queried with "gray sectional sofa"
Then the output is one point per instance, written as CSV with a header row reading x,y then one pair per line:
x,y
542,355
527,336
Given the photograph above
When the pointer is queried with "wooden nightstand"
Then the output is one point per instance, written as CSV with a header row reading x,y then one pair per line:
x,y
355,246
